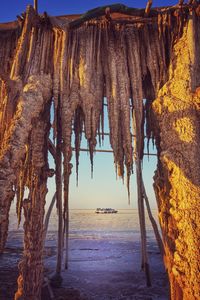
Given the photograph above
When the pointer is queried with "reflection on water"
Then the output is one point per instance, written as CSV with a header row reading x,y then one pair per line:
x,y
89,225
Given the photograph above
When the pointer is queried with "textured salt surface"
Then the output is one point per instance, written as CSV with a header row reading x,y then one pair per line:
x,y
104,258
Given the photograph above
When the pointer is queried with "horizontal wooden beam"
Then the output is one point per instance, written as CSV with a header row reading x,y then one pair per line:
x,y
127,15
108,134
9,26
133,13
108,151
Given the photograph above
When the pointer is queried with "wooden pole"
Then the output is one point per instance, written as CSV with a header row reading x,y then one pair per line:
x,y
153,222
145,264
66,220
46,222
59,199
56,280
36,5
148,7
109,151
67,174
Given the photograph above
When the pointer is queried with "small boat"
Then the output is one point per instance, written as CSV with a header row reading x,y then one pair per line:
x,y
106,211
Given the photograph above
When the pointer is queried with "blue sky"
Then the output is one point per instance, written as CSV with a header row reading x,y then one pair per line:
x,y
103,190
11,8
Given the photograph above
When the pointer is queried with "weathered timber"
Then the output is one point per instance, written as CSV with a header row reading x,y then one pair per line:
x,y
148,7
36,5
124,10
109,151
58,163
153,221
48,214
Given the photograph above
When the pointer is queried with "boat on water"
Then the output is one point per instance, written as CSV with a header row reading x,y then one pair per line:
x,y
106,211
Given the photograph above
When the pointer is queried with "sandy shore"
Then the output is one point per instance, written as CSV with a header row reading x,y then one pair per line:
x,y
98,269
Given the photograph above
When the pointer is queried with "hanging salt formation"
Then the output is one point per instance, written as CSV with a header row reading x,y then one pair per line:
x,y
75,65
118,94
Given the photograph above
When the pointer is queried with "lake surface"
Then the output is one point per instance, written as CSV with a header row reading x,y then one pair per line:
x,y
104,255
89,225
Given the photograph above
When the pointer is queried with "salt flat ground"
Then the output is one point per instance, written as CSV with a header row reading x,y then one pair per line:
x,y
104,257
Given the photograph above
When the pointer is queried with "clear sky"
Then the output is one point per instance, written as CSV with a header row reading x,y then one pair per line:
x,y
11,8
103,190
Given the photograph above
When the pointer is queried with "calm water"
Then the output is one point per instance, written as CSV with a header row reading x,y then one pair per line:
x,y
89,225
104,255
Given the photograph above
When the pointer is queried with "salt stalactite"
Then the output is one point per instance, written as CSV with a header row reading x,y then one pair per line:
x,y
91,83
8,42
118,94
123,87
69,99
78,129
22,182
110,71
13,147
155,72
20,105
135,72
9,95
138,127
41,51
58,58
56,72
9,39
6,108
31,265
19,62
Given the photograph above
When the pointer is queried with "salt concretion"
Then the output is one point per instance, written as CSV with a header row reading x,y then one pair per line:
x,y
120,54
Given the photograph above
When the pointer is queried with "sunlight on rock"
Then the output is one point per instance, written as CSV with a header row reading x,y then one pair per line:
x,y
184,212
82,72
185,129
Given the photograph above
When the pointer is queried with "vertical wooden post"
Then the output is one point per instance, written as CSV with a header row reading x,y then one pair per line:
x,y
153,222
59,193
46,222
36,5
59,207
66,213
56,280
145,264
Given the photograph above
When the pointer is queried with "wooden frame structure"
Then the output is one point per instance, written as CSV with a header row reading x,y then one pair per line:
x,y
75,61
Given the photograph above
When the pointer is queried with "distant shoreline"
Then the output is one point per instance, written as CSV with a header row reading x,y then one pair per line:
x,y
114,208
